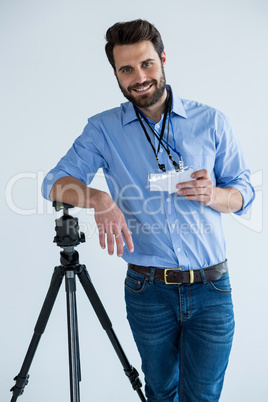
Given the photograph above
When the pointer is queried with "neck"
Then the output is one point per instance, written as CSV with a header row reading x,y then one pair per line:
x,y
155,111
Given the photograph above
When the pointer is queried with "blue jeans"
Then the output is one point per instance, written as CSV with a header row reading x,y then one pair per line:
x,y
184,336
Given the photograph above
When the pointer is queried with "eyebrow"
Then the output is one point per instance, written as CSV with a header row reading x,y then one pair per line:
x,y
128,66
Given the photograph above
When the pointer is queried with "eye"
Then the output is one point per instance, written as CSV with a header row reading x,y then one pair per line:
x,y
147,64
126,70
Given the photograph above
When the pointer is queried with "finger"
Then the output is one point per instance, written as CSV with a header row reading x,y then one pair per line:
x,y
194,184
110,239
185,184
192,191
203,173
128,238
101,236
205,189
119,244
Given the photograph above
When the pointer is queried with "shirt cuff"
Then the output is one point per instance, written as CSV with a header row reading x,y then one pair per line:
x,y
248,194
49,182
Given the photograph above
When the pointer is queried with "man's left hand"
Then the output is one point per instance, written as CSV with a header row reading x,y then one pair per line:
x,y
200,189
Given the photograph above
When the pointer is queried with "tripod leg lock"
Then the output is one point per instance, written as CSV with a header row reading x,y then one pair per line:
x,y
133,377
21,383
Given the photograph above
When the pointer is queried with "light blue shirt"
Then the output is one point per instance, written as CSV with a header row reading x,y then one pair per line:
x,y
167,230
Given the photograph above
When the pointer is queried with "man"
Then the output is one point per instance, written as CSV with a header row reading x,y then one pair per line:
x,y
177,288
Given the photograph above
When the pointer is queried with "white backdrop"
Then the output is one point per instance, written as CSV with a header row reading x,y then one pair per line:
x,y
54,75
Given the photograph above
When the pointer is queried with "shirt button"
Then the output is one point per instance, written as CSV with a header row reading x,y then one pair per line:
x,y
161,150
178,249
168,200
173,225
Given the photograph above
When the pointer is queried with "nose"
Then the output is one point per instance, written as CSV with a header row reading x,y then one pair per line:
x,y
140,76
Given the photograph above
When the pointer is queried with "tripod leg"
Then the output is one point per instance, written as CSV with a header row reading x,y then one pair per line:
x,y
74,360
22,378
100,311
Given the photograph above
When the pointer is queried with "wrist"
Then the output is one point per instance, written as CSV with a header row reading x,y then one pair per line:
x,y
226,200
95,197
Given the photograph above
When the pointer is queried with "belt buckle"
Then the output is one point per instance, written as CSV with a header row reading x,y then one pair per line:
x,y
165,276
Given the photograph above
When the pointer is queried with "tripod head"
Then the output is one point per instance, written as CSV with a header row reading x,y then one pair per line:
x,y
59,206
67,228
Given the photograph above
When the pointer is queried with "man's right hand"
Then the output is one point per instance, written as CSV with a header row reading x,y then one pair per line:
x,y
111,224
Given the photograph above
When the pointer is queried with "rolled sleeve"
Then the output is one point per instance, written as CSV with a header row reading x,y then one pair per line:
x,y
231,169
248,194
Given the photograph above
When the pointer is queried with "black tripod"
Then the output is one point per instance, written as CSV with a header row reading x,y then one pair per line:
x,y
68,237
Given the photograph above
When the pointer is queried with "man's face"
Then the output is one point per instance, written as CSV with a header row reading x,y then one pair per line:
x,y
140,73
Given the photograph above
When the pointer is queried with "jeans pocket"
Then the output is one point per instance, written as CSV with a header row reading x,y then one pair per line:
x,y
135,283
222,285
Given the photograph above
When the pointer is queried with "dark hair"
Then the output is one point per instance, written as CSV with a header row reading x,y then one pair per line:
x,y
128,33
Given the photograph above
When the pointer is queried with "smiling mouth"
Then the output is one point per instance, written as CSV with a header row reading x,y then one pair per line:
x,y
143,89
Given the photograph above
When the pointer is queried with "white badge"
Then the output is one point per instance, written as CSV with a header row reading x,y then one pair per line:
x,y
167,181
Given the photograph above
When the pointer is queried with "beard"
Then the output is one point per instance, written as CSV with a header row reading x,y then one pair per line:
x,y
146,100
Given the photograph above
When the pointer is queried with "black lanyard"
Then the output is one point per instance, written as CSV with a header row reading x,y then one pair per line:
x,y
160,138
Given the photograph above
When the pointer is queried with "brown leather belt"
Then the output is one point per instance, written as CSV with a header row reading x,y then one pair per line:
x,y
175,276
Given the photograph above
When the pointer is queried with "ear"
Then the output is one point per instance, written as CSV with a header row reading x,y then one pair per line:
x,y
164,59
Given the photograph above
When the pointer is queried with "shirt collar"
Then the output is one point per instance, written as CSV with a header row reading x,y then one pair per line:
x,y
130,114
